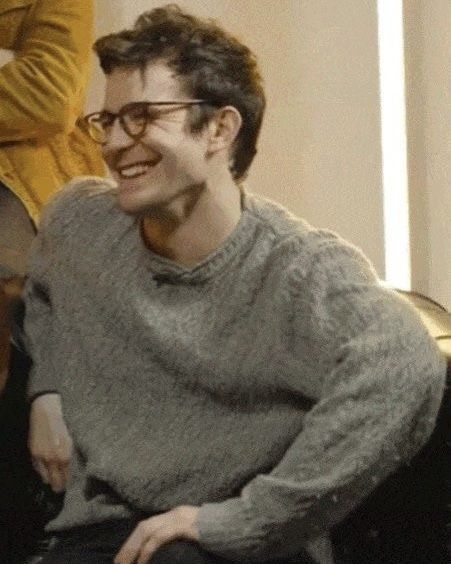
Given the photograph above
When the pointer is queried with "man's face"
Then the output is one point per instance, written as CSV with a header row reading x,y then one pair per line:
x,y
168,161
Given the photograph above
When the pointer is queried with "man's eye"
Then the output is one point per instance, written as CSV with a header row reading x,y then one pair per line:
x,y
153,113
139,115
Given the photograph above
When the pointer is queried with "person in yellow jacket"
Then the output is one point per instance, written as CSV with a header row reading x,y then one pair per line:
x,y
45,48
42,87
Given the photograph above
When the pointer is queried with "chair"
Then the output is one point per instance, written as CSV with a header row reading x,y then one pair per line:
x,y
407,519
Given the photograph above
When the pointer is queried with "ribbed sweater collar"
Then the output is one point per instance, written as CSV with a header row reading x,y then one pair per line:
x,y
236,244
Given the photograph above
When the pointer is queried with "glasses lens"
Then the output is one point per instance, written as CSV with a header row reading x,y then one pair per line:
x,y
136,118
98,126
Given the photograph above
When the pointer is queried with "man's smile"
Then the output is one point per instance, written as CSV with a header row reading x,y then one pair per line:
x,y
136,169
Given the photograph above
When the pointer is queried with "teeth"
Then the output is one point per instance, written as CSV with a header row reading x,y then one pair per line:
x,y
132,171
137,169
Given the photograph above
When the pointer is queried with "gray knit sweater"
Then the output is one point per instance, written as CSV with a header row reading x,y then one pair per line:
x,y
274,384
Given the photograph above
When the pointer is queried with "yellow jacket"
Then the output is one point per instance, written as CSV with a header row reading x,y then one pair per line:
x,y
41,96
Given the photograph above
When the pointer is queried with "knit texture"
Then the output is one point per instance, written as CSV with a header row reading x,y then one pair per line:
x,y
275,384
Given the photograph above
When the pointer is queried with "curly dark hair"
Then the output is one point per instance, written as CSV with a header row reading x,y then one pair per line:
x,y
213,65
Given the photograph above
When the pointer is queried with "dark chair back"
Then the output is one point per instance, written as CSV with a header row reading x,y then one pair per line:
x,y
407,518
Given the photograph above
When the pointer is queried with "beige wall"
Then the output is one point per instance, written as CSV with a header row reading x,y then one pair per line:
x,y
319,152
428,87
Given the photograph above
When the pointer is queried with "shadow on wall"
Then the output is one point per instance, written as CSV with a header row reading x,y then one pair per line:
x,y
109,17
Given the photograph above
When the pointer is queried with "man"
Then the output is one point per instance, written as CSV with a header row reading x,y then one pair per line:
x,y
234,380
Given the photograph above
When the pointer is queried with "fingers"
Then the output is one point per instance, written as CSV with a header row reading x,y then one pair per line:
x,y
131,549
65,469
57,478
51,461
41,469
49,441
146,539
152,533
151,547
53,471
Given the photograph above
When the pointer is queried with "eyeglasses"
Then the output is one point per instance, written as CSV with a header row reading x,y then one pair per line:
x,y
134,118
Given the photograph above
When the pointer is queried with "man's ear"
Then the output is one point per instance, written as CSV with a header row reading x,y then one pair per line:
x,y
223,129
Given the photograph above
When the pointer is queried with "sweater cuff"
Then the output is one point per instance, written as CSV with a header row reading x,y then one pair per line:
x,y
38,394
233,531
227,529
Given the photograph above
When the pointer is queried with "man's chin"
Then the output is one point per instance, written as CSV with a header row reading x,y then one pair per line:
x,y
137,207
127,203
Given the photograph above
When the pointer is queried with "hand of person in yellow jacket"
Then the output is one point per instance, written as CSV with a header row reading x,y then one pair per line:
x,y
49,441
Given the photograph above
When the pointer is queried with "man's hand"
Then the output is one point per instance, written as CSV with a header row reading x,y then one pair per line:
x,y
152,533
6,56
49,441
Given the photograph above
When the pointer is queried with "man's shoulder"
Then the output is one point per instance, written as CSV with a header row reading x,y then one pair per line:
x,y
279,219
82,189
309,250
79,200
290,230
286,225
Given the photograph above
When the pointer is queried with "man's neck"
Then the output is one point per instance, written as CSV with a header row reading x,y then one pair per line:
x,y
193,228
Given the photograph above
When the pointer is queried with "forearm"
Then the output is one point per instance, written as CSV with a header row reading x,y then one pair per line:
x,y
49,441
378,410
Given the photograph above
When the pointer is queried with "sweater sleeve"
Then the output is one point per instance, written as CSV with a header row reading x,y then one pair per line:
x,y
382,383
43,271
61,222
38,319
42,89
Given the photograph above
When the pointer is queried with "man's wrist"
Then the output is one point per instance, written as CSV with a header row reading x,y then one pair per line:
x,y
188,515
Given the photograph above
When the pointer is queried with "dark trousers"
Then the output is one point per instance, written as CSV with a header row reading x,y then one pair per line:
x,y
98,544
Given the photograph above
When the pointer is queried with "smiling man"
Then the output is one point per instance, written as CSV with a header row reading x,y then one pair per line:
x,y
165,178
234,381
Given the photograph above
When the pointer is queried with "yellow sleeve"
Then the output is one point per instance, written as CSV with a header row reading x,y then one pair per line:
x,y
42,89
